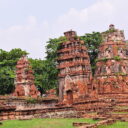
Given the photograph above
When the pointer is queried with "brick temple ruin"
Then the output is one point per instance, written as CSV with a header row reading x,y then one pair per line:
x,y
74,69
111,73
103,96
75,76
24,81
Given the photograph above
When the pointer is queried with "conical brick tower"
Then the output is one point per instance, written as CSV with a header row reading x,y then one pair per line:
x,y
24,81
111,76
74,69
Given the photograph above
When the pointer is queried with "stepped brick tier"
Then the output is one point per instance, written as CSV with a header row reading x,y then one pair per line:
x,y
74,69
24,81
111,74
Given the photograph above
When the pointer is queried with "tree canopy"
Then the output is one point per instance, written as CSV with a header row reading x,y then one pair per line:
x,y
92,42
8,62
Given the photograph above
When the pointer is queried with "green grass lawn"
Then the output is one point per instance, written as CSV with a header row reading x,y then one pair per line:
x,y
43,123
54,123
117,125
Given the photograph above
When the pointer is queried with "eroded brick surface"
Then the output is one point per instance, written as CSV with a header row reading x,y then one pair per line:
x,y
24,81
74,69
111,74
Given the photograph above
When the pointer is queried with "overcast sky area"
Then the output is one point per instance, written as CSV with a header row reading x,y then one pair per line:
x,y
28,24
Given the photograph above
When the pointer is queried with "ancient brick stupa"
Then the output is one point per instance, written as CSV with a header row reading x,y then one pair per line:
x,y
74,69
111,75
24,81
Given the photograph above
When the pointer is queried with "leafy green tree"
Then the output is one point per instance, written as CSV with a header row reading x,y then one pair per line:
x,y
52,47
51,61
45,74
40,74
8,62
6,80
92,42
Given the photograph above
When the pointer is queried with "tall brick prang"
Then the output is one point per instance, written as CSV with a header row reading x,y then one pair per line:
x,y
111,74
24,81
74,69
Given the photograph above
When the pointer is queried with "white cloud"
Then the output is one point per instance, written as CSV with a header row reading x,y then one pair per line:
x,y
32,36
97,17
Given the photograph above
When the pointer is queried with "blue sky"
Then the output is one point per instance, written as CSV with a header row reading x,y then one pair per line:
x,y
28,24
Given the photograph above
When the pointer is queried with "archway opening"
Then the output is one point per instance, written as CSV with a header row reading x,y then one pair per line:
x,y
69,96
